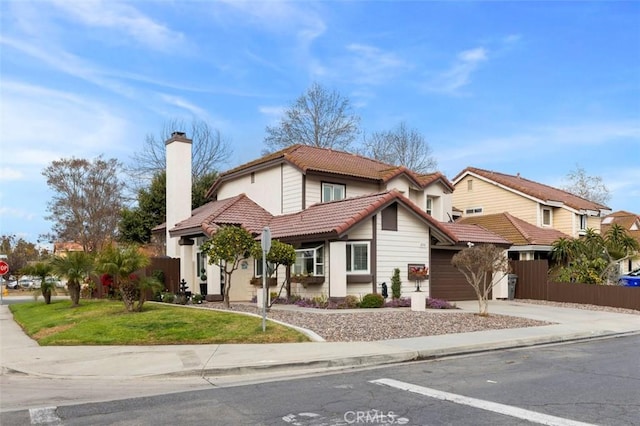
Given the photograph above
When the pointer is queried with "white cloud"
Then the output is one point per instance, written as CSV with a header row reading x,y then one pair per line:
x,y
459,74
16,213
122,19
372,65
9,174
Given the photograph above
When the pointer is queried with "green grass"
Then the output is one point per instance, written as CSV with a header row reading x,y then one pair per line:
x,y
102,322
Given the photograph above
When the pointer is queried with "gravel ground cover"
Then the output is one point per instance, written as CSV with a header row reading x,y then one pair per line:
x,y
384,324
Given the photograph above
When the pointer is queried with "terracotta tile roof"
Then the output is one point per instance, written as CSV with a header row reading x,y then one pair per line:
x,y
238,210
518,231
336,218
309,158
467,233
62,246
629,221
537,190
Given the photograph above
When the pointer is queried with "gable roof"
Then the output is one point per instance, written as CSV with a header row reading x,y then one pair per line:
x,y
239,210
518,231
314,159
467,233
629,221
544,193
335,219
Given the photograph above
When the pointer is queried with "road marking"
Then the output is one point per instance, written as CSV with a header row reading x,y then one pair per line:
x,y
44,416
507,410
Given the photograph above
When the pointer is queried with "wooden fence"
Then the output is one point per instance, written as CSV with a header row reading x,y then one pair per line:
x,y
170,268
532,283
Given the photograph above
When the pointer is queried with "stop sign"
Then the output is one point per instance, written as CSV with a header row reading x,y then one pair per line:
x,y
4,267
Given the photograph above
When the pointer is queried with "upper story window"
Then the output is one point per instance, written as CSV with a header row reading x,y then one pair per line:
x,y
473,210
253,177
258,268
358,257
546,217
429,206
332,192
309,261
582,224
470,185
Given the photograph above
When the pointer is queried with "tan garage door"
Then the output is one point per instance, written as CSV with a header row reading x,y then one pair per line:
x,y
446,281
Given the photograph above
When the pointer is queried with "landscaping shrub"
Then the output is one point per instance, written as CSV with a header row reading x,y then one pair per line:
x,y
168,297
372,300
439,304
351,302
401,302
395,284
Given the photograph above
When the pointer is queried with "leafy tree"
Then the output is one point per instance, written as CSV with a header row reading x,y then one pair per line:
x,y
396,284
228,246
18,251
209,150
41,270
478,264
591,188
87,200
594,258
401,146
75,266
280,254
122,263
320,117
137,222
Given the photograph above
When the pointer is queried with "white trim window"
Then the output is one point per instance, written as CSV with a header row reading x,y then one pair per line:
x,y
429,206
546,217
309,262
473,210
332,192
582,222
257,267
358,257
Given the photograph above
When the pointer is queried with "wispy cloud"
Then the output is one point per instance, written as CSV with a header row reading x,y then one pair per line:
x,y
459,74
9,174
372,65
123,19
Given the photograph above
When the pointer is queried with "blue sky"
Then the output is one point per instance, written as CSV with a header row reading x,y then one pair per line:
x,y
535,88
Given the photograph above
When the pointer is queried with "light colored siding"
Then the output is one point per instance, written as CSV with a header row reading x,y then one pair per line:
x,y
266,190
291,189
594,222
396,249
359,290
353,188
493,199
364,231
565,221
442,202
400,183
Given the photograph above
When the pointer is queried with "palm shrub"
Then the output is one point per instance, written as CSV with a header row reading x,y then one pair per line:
x,y
122,263
395,284
42,270
75,266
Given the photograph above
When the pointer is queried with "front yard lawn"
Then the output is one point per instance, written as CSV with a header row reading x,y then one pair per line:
x,y
102,322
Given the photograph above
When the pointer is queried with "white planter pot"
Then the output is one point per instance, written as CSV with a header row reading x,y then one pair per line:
x,y
418,301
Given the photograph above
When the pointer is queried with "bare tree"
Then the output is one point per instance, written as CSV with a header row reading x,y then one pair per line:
x,y
478,264
320,117
401,146
210,149
591,188
87,200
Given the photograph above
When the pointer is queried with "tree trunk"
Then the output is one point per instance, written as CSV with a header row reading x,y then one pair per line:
x,y
129,295
47,296
227,287
74,293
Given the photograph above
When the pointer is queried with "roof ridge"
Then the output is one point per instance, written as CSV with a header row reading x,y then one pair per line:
x,y
516,222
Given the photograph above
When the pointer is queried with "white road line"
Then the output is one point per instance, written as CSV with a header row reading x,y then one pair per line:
x,y
507,410
44,416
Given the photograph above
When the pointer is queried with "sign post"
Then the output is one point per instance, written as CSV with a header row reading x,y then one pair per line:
x,y
4,269
265,242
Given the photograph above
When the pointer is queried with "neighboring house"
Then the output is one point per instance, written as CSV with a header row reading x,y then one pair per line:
x,y
61,248
530,242
481,192
351,219
631,223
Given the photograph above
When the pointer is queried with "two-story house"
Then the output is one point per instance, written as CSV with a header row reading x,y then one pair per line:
x,y
483,192
351,219
631,223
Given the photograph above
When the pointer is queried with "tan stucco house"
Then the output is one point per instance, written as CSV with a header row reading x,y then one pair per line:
x,y
351,219
631,223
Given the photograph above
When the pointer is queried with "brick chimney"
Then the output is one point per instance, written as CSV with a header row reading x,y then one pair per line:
x,y
178,160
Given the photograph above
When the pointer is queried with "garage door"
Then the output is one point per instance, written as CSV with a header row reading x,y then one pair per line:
x,y
446,281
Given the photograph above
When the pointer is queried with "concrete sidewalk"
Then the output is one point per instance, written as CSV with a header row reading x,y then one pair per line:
x,y
22,355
